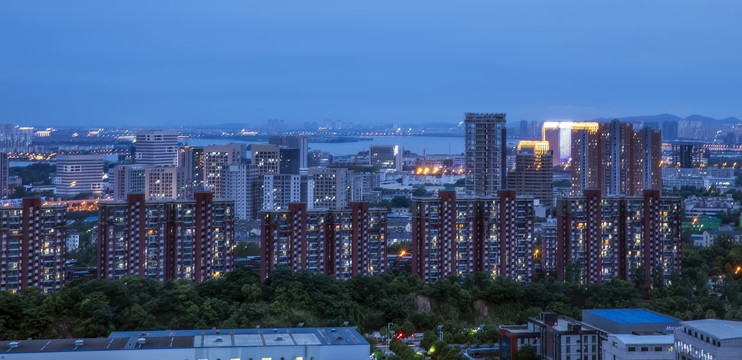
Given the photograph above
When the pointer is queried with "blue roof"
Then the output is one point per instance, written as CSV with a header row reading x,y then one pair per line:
x,y
632,316
92,218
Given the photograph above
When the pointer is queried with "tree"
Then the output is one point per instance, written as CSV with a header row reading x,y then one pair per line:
x,y
245,249
526,352
420,192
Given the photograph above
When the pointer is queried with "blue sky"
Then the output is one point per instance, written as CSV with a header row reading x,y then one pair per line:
x,y
169,63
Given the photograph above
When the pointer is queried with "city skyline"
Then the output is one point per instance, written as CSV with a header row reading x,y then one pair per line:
x,y
362,63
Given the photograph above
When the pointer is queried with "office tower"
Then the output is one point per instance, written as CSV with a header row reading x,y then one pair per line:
x,y
217,159
485,153
386,157
165,240
289,161
669,130
157,147
318,158
79,174
244,187
34,237
4,175
292,142
327,188
128,179
533,174
615,159
341,243
457,236
165,182
267,158
601,238
191,159
280,190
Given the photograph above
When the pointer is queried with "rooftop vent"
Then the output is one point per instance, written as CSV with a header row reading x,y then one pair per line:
x,y
219,339
141,341
79,342
340,338
333,330
13,344
275,330
279,338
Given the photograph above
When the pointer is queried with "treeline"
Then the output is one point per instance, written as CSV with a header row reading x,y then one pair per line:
x,y
239,300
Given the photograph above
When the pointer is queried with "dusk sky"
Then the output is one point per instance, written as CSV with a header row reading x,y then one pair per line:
x,y
170,63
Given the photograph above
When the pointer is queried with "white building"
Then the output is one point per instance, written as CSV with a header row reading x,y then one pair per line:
x,y
386,156
242,184
79,174
280,190
73,239
157,147
127,179
235,344
638,347
327,188
217,159
709,339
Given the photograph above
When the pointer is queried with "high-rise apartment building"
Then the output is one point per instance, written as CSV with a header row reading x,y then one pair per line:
x,y
601,238
289,161
615,159
4,175
486,168
157,147
33,240
669,130
533,174
267,158
689,155
386,157
165,182
550,133
164,240
341,243
191,159
243,185
217,159
79,174
456,236
293,142
327,188
360,185
280,190
128,179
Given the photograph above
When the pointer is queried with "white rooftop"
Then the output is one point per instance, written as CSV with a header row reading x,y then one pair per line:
x,y
720,329
631,339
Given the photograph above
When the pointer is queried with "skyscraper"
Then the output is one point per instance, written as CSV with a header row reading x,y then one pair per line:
x,y
128,179
533,174
485,153
292,142
157,147
164,182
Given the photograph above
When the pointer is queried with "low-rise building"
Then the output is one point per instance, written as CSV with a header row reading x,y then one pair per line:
x,y
638,347
708,339
340,343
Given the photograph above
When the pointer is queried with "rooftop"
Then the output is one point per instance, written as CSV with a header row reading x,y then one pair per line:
x,y
630,339
720,329
632,316
163,339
